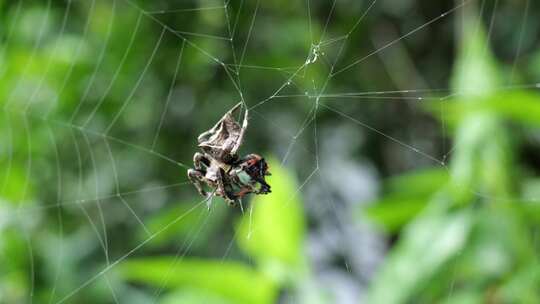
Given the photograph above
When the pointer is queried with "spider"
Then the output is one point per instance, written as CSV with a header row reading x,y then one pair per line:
x,y
219,167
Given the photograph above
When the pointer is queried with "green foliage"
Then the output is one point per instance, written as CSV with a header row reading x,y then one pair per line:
x,y
430,242
471,236
193,297
230,281
519,106
184,228
475,71
422,183
464,232
274,233
406,196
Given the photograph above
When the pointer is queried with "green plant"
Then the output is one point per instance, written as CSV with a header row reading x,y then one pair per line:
x,y
466,233
271,235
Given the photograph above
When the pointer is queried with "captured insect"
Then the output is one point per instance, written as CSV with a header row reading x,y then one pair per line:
x,y
220,168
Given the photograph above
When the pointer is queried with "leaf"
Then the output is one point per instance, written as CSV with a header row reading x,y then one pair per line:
x,y
483,154
530,211
519,106
230,280
482,159
15,189
407,195
475,73
274,234
191,222
428,243
465,297
192,296
421,183
522,286
392,213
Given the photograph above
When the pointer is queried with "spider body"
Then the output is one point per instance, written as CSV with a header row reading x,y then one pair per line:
x,y
220,168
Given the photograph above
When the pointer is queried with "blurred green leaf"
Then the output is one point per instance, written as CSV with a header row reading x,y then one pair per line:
x,y
421,183
274,233
15,188
523,286
477,87
193,296
203,221
464,297
475,71
392,213
234,281
531,188
529,210
407,195
482,160
519,106
427,244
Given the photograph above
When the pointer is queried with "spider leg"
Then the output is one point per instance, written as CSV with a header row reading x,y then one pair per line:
x,y
221,189
265,187
212,146
197,178
201,162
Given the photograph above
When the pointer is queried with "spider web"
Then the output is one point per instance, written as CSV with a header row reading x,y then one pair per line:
x,y
94,136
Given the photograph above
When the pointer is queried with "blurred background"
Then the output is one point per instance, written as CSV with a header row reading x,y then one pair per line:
x,y
402,137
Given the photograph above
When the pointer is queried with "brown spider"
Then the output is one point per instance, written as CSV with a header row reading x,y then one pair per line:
x,y
219,166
